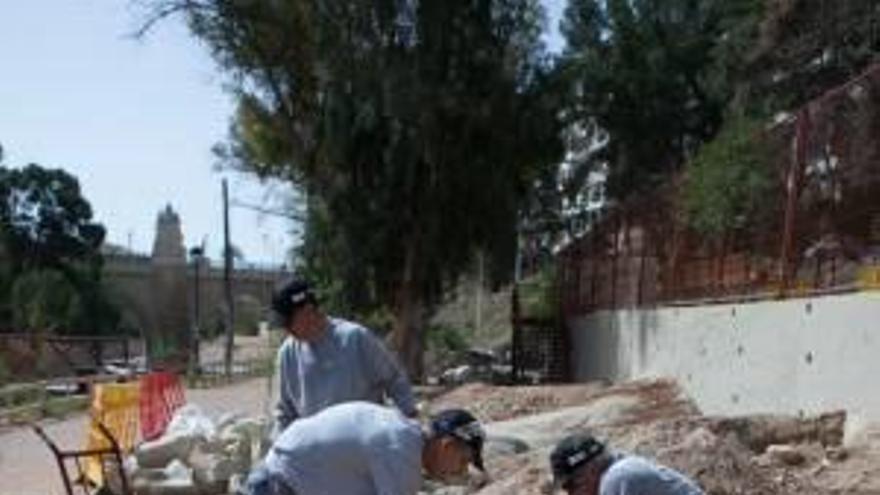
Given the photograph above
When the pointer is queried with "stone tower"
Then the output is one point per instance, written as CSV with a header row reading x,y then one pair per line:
x,y
168,244
169,335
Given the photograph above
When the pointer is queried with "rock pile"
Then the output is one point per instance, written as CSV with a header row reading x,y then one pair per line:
x,y
727,456
197,456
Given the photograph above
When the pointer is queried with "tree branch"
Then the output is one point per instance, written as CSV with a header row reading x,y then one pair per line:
x,y
164,9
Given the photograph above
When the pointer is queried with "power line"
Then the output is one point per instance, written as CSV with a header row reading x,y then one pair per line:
x,y
267,211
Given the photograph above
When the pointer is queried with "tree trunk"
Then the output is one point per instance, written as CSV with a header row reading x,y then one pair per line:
x,y
409,316
407,335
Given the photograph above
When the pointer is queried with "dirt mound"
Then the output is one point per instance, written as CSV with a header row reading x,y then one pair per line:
x,y
657,399
653,419
720,465
760,431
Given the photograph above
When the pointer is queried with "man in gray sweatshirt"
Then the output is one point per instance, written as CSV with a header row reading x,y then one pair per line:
x,y
360,448
327,361
583,465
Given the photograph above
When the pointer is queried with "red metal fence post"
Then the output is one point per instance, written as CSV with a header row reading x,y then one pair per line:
x,y
594,273
792,189
614,240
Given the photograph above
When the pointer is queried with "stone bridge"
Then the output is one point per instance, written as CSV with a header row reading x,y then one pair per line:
x,y
158,295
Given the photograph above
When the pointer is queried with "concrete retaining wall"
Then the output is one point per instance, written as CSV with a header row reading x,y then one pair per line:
x,y
803,355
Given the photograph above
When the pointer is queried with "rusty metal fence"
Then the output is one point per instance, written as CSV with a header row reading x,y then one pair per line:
x,y
820,229
43,355
540,345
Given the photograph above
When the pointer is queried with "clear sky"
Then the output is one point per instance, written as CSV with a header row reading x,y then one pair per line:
x,y
134,120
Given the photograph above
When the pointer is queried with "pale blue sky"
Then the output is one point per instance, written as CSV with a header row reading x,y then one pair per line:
x,y
134,120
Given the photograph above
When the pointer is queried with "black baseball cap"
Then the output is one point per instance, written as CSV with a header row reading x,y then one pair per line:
x,y
463,426
570,454
289,297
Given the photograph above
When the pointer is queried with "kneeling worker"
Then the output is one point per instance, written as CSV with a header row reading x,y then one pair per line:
x,y
361,448
584,466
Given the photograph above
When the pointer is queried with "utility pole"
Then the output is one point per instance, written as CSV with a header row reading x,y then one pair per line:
x,y
196,254
478,317
227,283
516,337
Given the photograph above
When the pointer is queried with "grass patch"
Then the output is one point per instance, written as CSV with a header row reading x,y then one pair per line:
x,y
13,396
55,407
538,295
5,373
241,371
62,406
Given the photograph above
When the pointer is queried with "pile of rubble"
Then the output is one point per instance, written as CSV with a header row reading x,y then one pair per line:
x,y
745,455
764,454
197,456
494,403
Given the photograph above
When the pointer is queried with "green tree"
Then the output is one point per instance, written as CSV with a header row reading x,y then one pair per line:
x,y
45,222
52,262
413,129
656,76
728,182
6,276
45,301
807,47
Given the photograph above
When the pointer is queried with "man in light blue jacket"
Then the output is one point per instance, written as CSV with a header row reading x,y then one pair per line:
x,y
583,465
360,448
327,361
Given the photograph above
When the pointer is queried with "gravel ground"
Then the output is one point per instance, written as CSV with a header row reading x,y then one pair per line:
x,y
648,417
27,466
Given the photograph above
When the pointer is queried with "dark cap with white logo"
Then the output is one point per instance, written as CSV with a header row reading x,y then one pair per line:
x,y
462,425
570,454
289,297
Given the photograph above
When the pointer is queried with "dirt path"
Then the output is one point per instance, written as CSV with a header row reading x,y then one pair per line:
x,y
27,467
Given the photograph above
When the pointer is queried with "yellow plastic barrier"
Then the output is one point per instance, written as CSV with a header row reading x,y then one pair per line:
x,y
116,406
869,278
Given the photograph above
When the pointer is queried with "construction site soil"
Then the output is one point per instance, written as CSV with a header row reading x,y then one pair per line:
x,y
762,454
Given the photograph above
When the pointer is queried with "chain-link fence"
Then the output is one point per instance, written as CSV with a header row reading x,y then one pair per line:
x,y
818,231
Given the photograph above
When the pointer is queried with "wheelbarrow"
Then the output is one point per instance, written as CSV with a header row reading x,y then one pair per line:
x,y
111,454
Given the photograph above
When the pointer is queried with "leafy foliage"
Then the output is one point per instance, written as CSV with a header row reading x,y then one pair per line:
x,y
807,47
448,338
729,180
6,375
51,269
539,295
45,220
656,76
44,300
444,345
413,129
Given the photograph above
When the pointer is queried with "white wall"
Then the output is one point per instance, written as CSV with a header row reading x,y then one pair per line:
x,y
803,355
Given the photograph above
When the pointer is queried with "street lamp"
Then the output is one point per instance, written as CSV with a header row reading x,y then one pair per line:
x,y
196,253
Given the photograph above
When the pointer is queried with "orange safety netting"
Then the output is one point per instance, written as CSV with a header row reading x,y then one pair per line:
x,y
161,395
